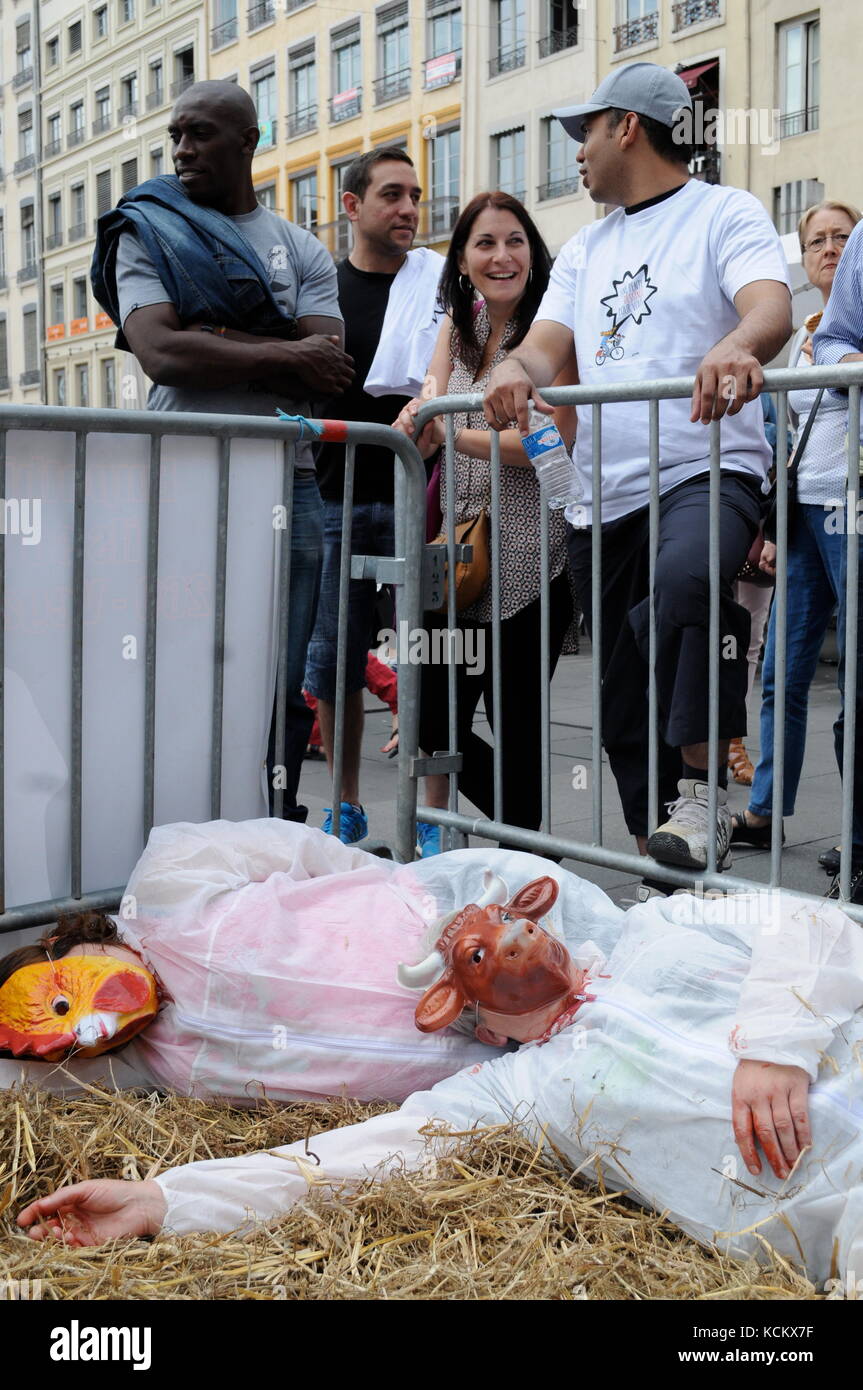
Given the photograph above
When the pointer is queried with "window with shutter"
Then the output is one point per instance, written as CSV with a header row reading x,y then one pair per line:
x,y
75,37
4,354
103,192
31,341
128,174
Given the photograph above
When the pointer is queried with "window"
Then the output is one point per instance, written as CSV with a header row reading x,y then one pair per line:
x,y
60,386
346,67
53,137
23,50
260,12
2,247
103,192
302,89
799,66
508,35
28,237
127,11
82,380
393,41
55,221
4,356
156,93
25,133
444,180
129,95
184,70
74,33
79,297
509,162
109,383
52,53
560,170
76,123
304,200
444,27
103,110
78,227
100,23
561,27
128,175
791,200
31,342
638,22
225,27
342,239
57,315
157,162
266,196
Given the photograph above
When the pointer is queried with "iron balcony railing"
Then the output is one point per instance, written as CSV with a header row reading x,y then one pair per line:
x,y
345,105
296,5
636,31
27,272
4,380
507,60
76,137
77,231
259,15
27,161
392,85
559,40
438,216
225,33
695,12
31,377
437,73
22,77
798,122
155,97
127,111
181,84
53,240
336,236
557,188
301,122
102,123
52,147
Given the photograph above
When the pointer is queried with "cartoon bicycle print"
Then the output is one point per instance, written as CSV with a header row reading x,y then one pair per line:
x,y
611,346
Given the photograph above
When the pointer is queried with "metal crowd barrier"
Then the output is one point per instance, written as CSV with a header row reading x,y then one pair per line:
x,y
404,570
543,842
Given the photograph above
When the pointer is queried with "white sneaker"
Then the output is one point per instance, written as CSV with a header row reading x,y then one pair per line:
x,y
683,837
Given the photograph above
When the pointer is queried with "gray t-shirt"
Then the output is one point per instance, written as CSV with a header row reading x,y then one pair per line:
x,y
303,281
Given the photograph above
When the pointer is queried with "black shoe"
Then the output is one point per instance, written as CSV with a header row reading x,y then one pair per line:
x,y
855,892
742,833
831,859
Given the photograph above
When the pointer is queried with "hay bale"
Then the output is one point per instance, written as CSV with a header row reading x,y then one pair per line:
x,y
496,1220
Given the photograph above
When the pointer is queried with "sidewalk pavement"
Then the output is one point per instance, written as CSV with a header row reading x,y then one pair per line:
x,y
814,827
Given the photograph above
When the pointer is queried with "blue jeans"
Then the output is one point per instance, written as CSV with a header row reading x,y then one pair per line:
x,y
816,583
371,534
307,544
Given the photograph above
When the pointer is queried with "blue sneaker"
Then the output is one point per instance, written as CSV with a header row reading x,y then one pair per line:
x,y
353,823
428,839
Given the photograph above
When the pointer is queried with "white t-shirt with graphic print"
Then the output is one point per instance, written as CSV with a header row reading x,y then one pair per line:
x,y
647,295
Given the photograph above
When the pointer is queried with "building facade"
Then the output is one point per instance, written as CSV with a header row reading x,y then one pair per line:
x,y
20,229
525,59
110,72
330,84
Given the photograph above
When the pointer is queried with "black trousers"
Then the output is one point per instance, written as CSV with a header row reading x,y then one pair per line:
x,y
682,633
518,726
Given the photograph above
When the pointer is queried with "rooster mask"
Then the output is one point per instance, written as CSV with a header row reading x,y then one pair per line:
x,y
82,1004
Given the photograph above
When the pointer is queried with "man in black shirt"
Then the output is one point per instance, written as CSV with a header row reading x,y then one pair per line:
x,y
381,198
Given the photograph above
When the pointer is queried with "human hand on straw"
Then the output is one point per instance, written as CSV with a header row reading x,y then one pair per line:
x,y
769,1103
92,1212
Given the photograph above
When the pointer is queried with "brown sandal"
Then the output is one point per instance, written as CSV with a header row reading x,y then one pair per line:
x,y
739,763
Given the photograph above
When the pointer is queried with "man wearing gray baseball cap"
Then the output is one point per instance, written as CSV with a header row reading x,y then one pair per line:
x,y
682,278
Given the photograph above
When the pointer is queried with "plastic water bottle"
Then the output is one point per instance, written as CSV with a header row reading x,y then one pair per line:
x,y
558,479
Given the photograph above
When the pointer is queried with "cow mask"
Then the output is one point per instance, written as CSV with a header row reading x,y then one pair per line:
x,y
493,953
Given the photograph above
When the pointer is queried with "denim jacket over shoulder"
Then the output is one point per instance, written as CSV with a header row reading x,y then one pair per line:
x,y
209,269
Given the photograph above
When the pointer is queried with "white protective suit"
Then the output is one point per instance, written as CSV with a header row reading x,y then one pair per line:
x,y
641,1080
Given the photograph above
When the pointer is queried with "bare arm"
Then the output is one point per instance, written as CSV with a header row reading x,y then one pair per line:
x,y
535,363
174,356
730,374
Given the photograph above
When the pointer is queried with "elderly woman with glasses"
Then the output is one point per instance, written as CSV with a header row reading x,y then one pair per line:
x,y
816,546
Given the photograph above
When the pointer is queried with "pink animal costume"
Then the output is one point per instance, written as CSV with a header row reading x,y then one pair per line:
x,y
279,949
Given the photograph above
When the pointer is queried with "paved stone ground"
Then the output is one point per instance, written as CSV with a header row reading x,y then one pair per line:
x,y
814,827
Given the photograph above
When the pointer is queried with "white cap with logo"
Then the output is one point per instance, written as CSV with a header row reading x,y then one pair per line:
x,y
645,88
